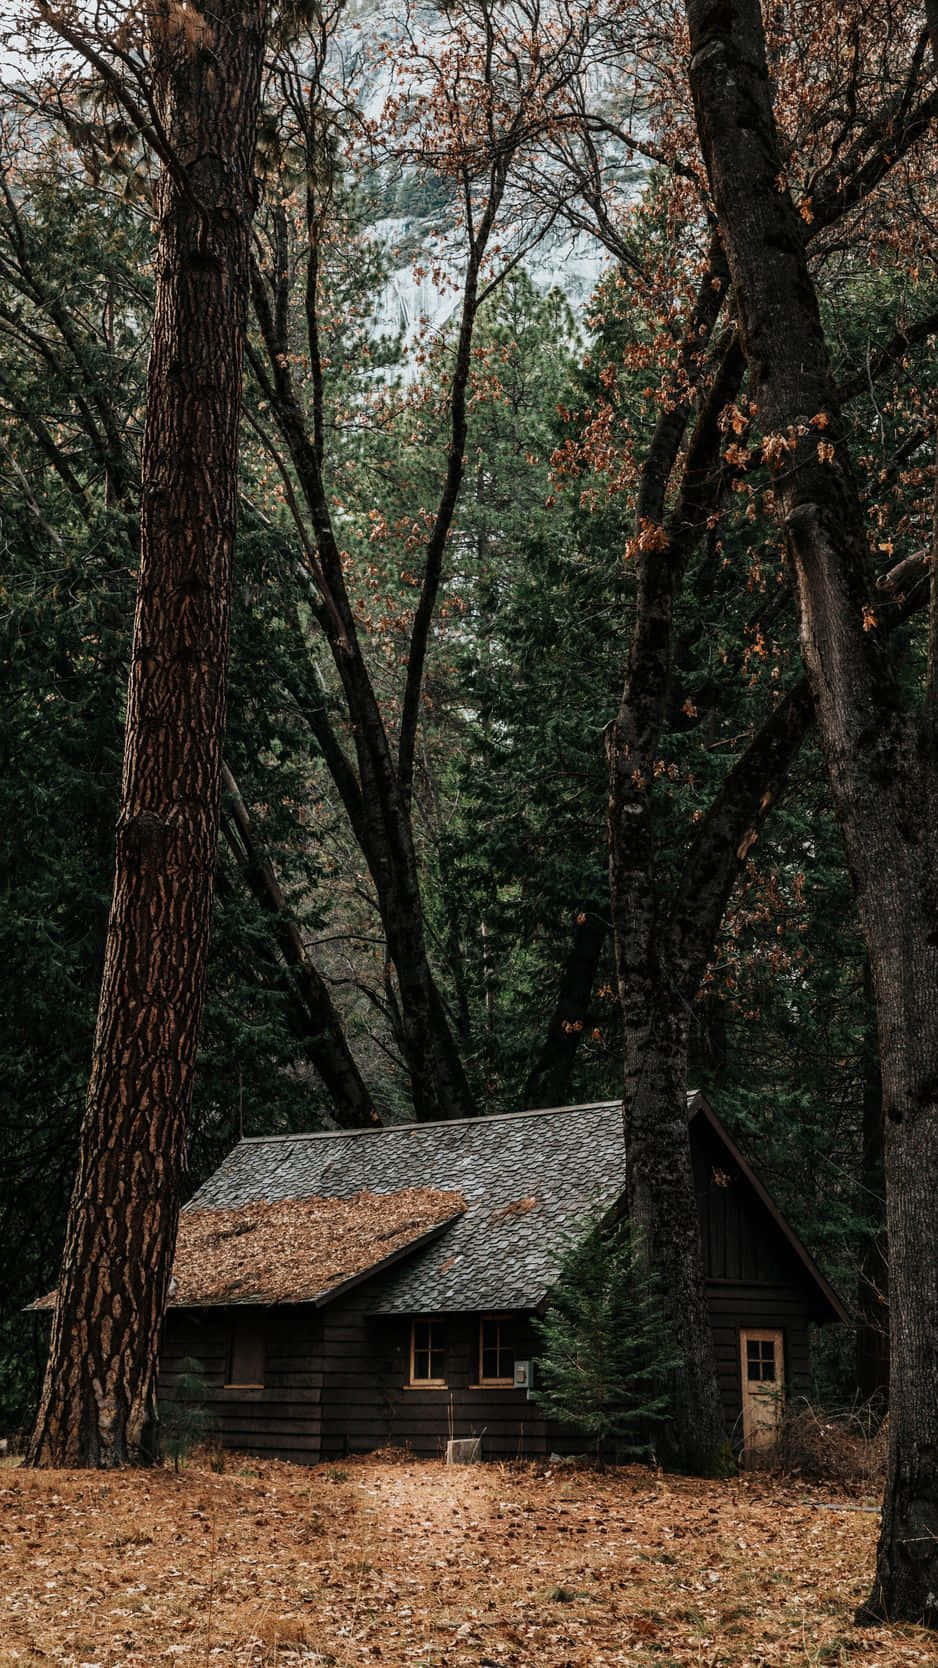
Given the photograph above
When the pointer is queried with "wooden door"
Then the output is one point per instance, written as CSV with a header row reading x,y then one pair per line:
x,y
762,1361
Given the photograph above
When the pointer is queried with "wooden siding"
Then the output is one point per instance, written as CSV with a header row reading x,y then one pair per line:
x,y
741,1242
281,1418
367,1401
336,1382
734,1308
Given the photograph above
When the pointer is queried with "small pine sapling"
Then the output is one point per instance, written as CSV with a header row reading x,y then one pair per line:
x,y
605,1354
185,1421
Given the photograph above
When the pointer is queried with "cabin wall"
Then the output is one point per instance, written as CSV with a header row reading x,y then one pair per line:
x,y
733,1308
279,1419
753,1277
367,1401
335,1382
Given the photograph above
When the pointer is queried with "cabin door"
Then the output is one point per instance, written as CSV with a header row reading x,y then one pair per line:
x,y
762,1360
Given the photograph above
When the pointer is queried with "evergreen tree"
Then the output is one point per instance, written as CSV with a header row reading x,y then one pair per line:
x,y
605,1354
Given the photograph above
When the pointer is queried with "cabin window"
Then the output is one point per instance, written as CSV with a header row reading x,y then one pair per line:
x,y
760,1360
496,1350
428,1352
246,1355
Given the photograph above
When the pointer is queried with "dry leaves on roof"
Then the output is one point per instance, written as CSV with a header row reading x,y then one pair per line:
x,y
295,1250
517,1207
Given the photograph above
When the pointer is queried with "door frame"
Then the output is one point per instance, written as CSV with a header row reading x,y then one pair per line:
x,y
759,1432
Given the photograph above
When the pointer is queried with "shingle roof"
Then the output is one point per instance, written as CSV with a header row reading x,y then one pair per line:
x,y
528,1178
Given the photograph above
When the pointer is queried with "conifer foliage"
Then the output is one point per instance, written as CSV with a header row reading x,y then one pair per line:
x,y
606,1355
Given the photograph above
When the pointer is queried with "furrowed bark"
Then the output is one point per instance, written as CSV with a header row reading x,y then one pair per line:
x,y
655,1010
873,1282
881,759
98,1402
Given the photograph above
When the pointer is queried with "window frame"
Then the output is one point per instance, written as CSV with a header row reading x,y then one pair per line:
x,y
431,1321
500,1320
244,1325
765,1354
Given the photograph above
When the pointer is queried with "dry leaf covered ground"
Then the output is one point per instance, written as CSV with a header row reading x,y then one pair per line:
x,y
409,1565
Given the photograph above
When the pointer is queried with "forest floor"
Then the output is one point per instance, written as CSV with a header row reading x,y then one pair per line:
x,y
415,1565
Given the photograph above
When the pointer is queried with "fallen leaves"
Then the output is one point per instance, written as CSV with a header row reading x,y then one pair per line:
x,y
296,1249
422,1566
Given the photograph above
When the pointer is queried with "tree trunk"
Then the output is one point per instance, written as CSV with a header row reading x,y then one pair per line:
x,y
663,1209
98,1400
873,1285
326,1042
881,760
379,800
382,826
653,1005
548,1081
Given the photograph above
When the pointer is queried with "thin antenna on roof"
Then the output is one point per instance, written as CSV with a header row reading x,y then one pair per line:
x,y
240,1103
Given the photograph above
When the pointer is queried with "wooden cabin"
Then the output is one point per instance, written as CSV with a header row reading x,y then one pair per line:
x,y
347,1290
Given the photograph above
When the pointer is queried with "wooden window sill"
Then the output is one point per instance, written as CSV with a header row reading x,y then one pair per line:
x,y
495,1384
427,1384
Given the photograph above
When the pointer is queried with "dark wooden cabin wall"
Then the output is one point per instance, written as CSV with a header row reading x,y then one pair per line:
x,y
336,1382
734,1308
368,1403
740,1240
754,1279
282,1418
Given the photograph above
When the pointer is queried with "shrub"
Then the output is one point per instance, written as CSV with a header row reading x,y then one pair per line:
x,y
846,1448
605,1354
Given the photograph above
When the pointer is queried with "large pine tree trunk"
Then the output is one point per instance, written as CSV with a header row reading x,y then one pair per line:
x,y
97,1406
881,760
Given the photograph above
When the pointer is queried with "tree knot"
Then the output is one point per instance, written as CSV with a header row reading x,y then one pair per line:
x,y
144,838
